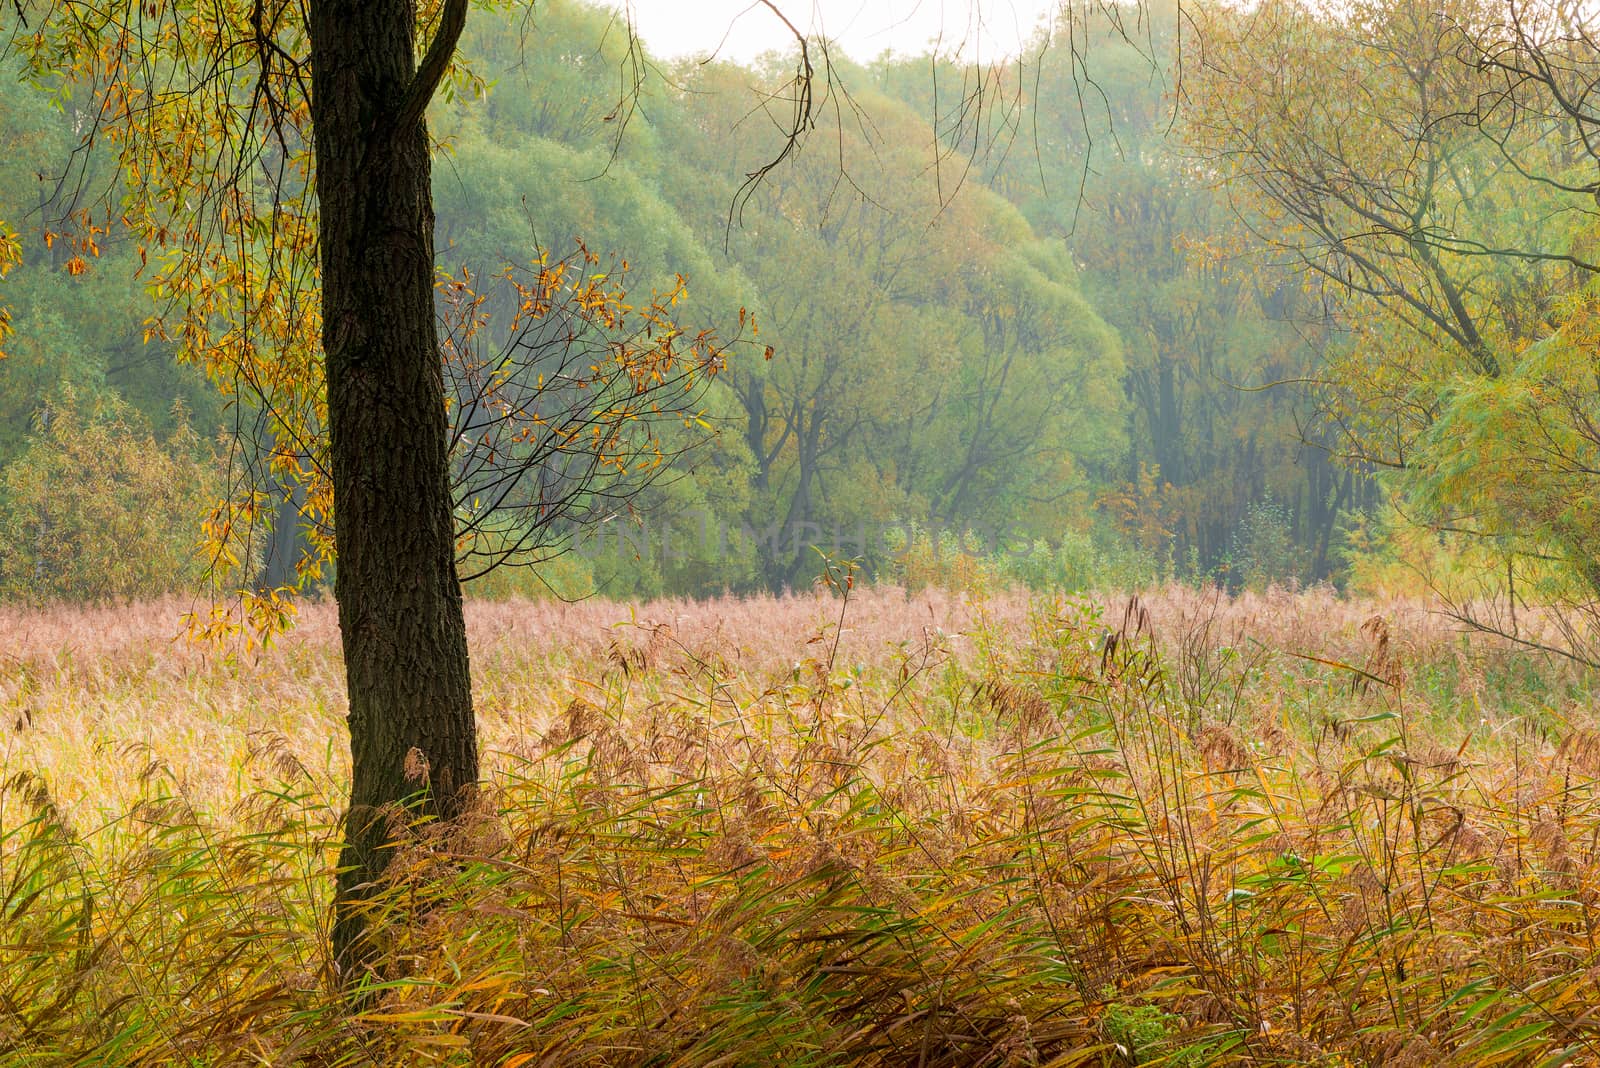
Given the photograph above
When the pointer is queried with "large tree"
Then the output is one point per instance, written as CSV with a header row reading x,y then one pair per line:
x,y
400,612
276,172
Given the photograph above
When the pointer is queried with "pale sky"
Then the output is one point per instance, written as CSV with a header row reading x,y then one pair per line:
x,y
977,29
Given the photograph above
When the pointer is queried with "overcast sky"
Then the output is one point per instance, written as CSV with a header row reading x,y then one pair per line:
x,y
980,29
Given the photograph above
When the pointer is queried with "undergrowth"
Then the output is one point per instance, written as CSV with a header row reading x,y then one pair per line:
x,y
1065,835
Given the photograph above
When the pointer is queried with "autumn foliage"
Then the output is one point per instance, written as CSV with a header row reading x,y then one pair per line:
x,y
84,512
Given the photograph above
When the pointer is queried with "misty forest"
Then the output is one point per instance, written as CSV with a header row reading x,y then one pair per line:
x,y
519,551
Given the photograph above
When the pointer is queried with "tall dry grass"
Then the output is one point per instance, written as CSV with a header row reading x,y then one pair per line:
x,y
1283,829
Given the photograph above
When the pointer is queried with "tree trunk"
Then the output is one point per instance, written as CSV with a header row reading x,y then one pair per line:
x,y
285,538
412,735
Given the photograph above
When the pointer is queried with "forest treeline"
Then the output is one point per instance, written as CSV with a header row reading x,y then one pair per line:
x,y
1012,325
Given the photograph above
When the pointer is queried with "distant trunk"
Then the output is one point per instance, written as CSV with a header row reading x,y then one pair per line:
x,y
782,569
1321,566
412,734
285,540
41,544
1169,425
754,398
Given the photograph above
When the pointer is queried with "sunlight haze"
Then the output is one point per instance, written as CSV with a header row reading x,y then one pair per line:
x,y
742,29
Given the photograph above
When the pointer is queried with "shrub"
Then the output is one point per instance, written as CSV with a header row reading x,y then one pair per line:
x,y
97,508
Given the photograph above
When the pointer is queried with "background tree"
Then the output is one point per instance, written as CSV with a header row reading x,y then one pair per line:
x,y
1100,170
1446,201
934,363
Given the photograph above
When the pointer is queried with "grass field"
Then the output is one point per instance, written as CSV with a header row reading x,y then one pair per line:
x,y
930,831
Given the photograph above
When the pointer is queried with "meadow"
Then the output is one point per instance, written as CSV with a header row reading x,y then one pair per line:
x,y
862,829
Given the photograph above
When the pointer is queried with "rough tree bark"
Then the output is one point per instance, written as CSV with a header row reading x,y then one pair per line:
x,y
412,733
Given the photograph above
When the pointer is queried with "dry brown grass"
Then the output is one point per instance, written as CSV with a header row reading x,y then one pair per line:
x,y
1284,829
97,680
84,681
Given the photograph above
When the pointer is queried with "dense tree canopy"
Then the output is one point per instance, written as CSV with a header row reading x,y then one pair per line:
x,y
1247,400
1052,331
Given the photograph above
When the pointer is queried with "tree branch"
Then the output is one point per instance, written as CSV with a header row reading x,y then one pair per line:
x,y
434,64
